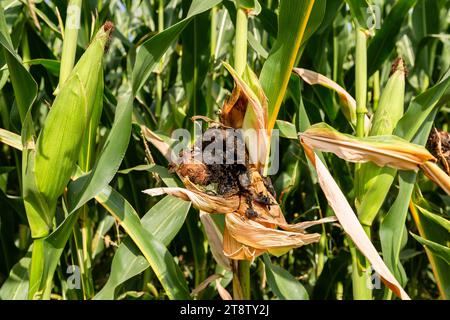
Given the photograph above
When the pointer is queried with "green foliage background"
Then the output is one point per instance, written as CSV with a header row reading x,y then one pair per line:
x,y
163,65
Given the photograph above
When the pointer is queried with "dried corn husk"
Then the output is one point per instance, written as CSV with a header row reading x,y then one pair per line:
x,y
389,151
253,120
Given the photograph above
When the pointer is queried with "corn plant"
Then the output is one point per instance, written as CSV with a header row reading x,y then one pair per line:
x,y
334,115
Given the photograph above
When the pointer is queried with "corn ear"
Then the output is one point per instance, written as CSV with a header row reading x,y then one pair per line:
x,y
376,181
59,142
390,107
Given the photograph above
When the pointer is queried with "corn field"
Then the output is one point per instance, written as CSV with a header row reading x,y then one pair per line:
x,y
224,149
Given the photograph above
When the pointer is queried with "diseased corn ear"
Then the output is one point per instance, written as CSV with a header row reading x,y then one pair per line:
x,y
59,142
247,109
389,151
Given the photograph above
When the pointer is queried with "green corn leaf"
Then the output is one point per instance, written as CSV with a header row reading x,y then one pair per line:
x,y
282,283
24,86
394,223
444,223
287,129
153,49
194,64
424,23
420,108
86,187
315,20
52,66
154,251
392,229
163,220
252,5
433,230
381,46
128,262
361,13
16,285
439,250
276,71
25,91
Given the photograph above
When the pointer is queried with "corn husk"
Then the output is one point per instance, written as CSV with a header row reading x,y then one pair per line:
x,y
374,181
255,235
200,200
236,250
59,142
390,107
252,120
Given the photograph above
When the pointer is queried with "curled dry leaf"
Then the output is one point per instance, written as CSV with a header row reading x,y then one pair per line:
x,y
436,174
223,293
389,151
298,227
159,143
205,283
348,102
351,225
